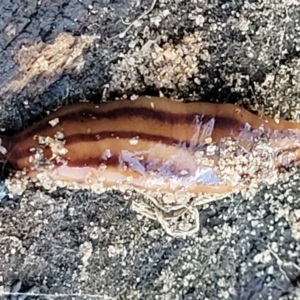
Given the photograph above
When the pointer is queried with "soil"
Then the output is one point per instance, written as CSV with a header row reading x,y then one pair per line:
x,y
81,245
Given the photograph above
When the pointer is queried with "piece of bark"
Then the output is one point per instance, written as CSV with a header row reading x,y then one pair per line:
x,y
54,52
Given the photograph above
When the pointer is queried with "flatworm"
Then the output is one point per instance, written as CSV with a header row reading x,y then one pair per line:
x,y
155,146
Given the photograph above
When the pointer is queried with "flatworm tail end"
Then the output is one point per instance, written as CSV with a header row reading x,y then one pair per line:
x,y
4,147
4,153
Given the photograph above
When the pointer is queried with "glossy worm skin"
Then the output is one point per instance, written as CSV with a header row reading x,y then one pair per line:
x,y
155,144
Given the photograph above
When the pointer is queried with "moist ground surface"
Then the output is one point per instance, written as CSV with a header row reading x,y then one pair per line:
x,y
81,245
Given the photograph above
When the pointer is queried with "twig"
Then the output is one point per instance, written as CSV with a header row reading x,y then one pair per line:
x,y
122,34
281,263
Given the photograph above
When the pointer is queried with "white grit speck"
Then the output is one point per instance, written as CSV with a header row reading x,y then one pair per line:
x,y
54,122
134,141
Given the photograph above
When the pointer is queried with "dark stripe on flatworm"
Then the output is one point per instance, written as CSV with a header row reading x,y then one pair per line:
x,y
101,136
147,114
138,166
95,162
